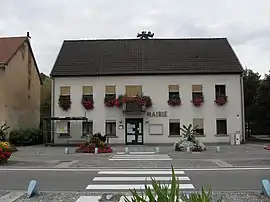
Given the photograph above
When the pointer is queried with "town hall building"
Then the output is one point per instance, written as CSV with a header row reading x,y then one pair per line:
x,y
142,91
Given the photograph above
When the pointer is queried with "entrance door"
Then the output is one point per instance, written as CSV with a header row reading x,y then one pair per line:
x,y
134,131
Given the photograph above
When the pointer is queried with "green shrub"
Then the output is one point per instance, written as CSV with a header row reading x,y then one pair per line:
x,y
169,193
26,137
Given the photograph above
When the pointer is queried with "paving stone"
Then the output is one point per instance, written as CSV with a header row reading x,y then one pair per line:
x,y
15,163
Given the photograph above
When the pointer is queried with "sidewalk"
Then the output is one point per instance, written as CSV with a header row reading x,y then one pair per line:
x,y
54,157
74,196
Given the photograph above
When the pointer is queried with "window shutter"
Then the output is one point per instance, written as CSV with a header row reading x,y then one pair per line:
x,y
132,91
87,90
110,90
173,88
65,90
196,88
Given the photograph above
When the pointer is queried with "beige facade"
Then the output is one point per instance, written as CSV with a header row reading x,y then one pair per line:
x,y
20,90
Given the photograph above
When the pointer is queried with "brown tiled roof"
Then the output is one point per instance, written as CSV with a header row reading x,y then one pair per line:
x,y
141,57
9,46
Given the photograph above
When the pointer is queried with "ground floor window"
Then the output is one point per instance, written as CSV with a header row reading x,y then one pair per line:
x,y
198,123
221,126
63,128
87,128
110,128
174,127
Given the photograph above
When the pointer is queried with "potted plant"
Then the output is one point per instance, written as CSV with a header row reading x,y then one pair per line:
x,y
221,100
87,102
140,100
111,101
64,102
197,101
174,100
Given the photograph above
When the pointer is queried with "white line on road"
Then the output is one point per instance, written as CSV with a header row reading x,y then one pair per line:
x,y
141,172
125,169
88,198
137,152
130,186
147,155
138,178
146,159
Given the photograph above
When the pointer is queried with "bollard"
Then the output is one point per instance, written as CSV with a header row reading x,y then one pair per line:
x,y
188,149
157,150
66,150
218,149
126,150
32,188
96,150
265,188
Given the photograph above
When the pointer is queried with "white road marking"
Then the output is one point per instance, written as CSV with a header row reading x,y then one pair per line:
x,y
129,186
138,178
137,152
122,199
123,168
88,198
12,196
138,159
141,172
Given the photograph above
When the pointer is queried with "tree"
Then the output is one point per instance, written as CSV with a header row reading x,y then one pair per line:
x,y
45,98
262,106
251,82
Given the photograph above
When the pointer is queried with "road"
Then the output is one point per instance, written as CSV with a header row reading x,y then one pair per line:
x,y
119,180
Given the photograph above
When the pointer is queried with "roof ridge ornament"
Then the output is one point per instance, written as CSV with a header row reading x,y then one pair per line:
x,y
145,35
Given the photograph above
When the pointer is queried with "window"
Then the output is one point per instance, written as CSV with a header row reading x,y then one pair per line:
x,y
132,91
110,128
63,128
65,90
87,128
88,92
221,125
220,90
110,92
199,123
174,127
197,90
173,91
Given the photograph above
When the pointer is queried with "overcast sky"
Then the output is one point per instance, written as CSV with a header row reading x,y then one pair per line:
x,y
246,23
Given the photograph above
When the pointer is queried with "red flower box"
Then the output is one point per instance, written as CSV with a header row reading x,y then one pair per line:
x,y
88,105
198,101
221,100
174,102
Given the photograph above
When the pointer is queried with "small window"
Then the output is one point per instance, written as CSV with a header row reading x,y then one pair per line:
x,y
174,127
88,92
64,90
63,125
132,91
110,128
87,128
110,92
221,125
220,90
173,91
197,91
198,123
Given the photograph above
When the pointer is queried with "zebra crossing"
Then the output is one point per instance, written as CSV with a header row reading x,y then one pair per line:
x,y
140,156
122,180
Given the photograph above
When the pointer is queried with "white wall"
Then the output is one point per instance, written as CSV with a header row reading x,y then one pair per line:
x,y
157,88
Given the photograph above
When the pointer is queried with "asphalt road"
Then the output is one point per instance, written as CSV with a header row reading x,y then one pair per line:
x,y
229,180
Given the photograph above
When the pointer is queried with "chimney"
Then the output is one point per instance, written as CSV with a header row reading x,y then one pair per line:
x,y
28,35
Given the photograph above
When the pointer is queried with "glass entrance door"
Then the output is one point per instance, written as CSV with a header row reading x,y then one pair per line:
x,y
134,131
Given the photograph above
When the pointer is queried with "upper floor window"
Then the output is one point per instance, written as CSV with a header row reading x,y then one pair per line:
x,y
134,90
88,92
220,90
65,90
110,92
198,124
197,91
173,91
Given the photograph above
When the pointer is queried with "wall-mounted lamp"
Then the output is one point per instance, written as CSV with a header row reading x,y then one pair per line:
x,y
146,120
120,122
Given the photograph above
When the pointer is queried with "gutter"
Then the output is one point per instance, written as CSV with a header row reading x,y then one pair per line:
x,y
242,109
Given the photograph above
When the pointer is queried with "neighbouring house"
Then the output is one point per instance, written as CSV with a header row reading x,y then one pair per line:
x,y
19,83
141,91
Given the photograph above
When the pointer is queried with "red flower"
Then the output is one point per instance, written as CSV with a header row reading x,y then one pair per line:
x,y
88,105
197,101
221,100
